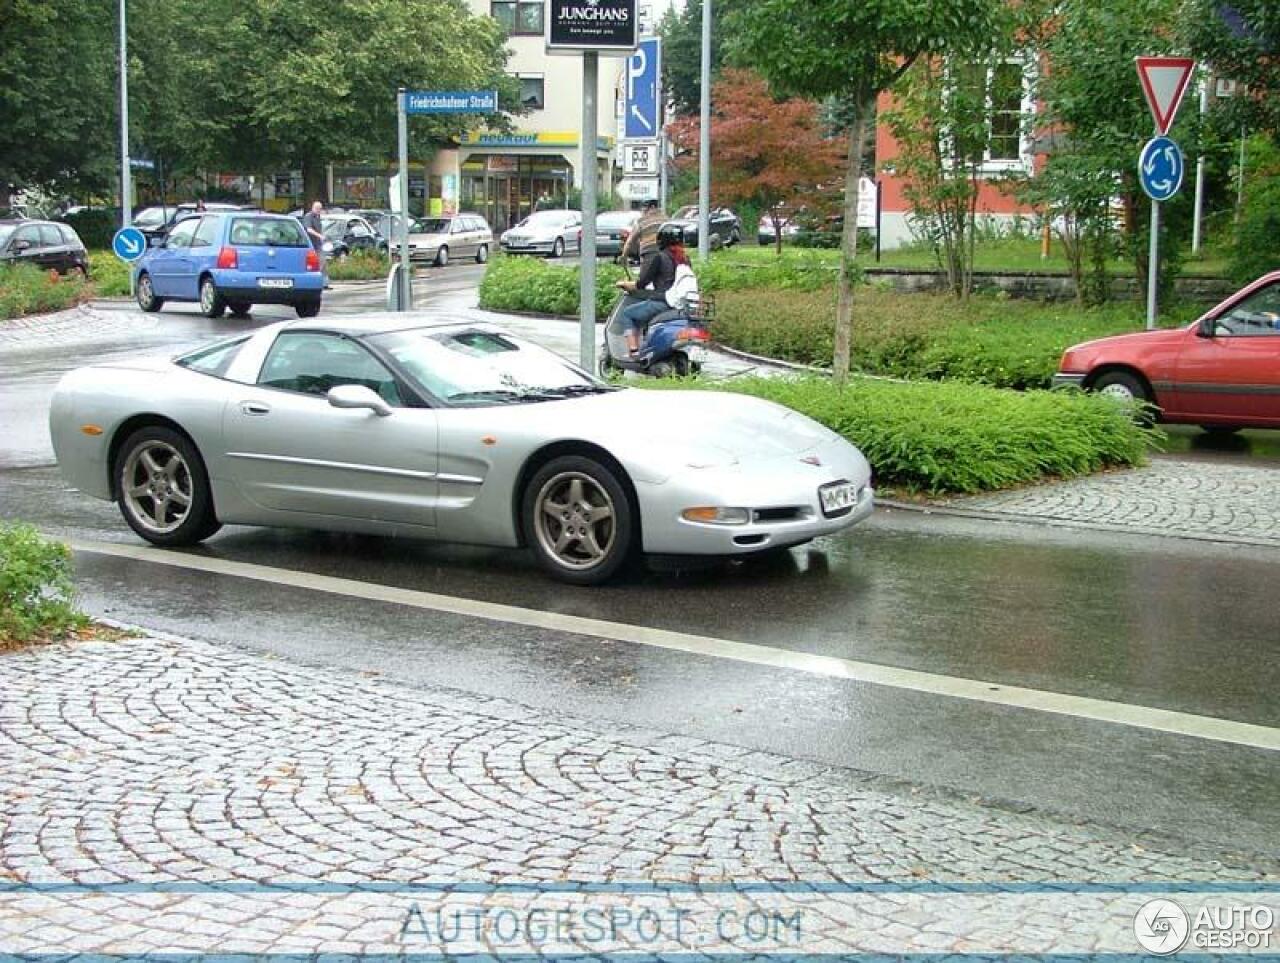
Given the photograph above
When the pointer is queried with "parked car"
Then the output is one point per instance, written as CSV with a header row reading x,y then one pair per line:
x,y
385,223
232,260
1221,372
725,226
47,245
438,239
364,425
767,231
612,230
545,232
156,221
347,234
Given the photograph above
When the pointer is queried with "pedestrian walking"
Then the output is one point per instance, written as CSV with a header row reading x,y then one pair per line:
x,y
313,222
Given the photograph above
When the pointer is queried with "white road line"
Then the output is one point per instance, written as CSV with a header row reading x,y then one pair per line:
x,y
1080,707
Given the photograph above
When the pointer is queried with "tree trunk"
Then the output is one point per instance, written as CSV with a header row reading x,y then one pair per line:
x,y
314,186
849,244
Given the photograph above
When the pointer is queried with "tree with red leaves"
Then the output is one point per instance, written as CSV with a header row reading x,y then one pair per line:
x,y
769,152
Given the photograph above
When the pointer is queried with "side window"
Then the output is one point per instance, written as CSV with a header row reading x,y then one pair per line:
x,y
311,363
50,236
180,236
69,236
29,233
207,232
1258,314
360,229
215,360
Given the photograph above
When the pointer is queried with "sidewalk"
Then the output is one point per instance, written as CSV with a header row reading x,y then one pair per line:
x,y
136,764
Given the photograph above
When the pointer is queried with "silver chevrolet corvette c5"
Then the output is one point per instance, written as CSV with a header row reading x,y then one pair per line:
x,y
450,430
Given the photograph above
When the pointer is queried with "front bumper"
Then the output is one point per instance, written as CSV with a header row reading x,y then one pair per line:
x,y
529,247
1068,379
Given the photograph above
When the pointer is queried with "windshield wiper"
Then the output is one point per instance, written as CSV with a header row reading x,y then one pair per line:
x,y
573,391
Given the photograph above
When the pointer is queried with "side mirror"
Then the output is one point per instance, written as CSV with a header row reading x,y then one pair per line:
x,y
358,396
1207,328
22,245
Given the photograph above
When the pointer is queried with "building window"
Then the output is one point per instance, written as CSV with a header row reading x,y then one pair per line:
x,y
1003,91
532,92
518,17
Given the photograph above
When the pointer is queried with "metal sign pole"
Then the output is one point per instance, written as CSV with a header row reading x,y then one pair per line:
x,y
126,183
1200,165
1153,265
704,140
406,281
587,289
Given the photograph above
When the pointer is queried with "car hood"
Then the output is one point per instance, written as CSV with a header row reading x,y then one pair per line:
x,y
1139,340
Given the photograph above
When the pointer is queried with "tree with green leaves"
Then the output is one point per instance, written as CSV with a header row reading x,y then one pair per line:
x,y
1240,41
854,51
681,33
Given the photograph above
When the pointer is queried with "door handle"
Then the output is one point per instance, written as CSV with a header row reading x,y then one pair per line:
x,y
255,408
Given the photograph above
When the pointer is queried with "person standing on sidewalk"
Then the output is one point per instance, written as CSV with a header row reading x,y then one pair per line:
x,y
313,222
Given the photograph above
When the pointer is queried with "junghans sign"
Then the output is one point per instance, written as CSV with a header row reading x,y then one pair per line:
x,y
604,25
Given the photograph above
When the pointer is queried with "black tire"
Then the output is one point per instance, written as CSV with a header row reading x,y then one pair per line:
x,y
212,304
557,249
239,309
482,253
308,309
442,255
1123,386
153,465
146,294
578,560
735,237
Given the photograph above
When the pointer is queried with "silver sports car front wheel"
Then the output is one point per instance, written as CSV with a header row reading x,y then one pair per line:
x,y
162,488
578,519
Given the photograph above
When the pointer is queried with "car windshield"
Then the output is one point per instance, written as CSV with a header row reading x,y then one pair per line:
x,y
545,219
334,227
152,216
475,367
685,213
431,225
267,232
616,219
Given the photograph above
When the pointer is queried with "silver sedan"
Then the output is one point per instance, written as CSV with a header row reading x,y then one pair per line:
x,y
455,431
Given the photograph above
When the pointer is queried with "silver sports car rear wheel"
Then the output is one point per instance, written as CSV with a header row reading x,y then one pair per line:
x,y
578,520
162,488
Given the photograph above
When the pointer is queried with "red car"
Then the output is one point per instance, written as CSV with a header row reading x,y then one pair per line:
x,y
1221,372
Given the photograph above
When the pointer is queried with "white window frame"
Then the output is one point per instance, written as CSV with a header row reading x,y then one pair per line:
x,y
523,75
1025,161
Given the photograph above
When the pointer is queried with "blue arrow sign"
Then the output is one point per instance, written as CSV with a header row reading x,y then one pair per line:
x,y
643,71
129,244
1160,168
450,101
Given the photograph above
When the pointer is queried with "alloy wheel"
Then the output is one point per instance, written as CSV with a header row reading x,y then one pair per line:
x,y
157,487
576,520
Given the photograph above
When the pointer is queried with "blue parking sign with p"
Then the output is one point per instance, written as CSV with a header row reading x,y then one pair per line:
x,y
643,115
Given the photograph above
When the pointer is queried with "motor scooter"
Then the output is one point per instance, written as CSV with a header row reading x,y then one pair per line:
x,y
673,343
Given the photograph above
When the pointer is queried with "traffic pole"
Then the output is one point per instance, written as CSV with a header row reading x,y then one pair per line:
x,y
1200,170
126,181
1153,265
704,140
406,281
587,273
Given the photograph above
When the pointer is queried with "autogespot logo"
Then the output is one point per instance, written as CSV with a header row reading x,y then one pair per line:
x,y
1161,926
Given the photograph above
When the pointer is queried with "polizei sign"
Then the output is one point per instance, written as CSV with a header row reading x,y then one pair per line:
x,y
607,26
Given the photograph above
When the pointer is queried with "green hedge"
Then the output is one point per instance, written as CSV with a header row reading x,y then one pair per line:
x,y
543,287
95,227
36,592
988,339
361,266
941,438
28,290
110,275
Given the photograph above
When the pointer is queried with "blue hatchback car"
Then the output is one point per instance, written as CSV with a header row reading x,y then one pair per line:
x,y
232,260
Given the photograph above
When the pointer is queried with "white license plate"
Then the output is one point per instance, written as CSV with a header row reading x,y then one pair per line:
x,y
275,282
696,353
838,497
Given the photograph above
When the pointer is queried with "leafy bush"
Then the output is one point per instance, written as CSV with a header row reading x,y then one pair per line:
x,y
35,586
986,339
95,227
531,284
736,269
28,290
109,274
1257,245
940,438
360,266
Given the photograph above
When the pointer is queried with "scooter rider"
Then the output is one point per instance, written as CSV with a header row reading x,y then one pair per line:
x,y
656,278
642,243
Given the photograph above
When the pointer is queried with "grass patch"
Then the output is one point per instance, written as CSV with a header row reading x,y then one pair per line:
x,y
36,592
513,283
361,266
988,339
28,290
958,438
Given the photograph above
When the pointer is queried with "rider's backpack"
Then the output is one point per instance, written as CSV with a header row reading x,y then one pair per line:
x,y
684,289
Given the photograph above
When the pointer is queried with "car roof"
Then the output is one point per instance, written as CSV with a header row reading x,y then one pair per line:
x,y
377,323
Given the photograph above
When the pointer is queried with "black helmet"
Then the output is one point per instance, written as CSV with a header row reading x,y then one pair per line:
x,y
670,234
651,205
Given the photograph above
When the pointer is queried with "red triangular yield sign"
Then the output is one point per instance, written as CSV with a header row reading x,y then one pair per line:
x,y
1164,81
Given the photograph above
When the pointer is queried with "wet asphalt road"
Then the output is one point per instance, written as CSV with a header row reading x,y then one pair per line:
x,y
1136,620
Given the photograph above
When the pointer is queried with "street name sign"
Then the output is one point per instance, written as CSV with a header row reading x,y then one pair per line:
x,y
1161,168
129,244
450,101
643,110
603,26
1164,82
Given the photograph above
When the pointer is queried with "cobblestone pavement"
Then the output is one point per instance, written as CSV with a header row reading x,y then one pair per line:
x,y
148,761
1199,499
84,323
